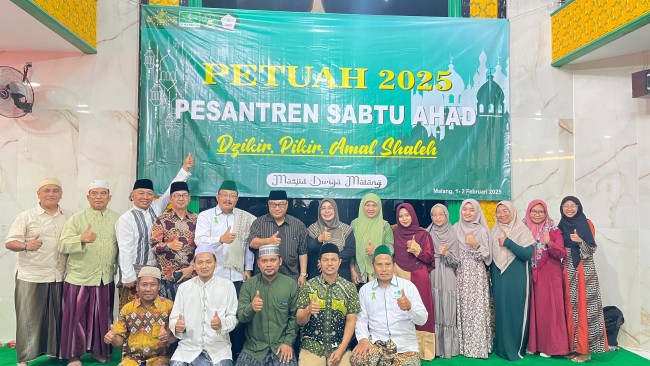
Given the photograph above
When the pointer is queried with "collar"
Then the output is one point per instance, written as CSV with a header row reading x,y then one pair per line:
x,y
141,209
40,210
393,282
287,218
218,211
323,281
156,302
204,284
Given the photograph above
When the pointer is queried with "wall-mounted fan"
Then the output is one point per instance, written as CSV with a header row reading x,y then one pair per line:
x,y
16,93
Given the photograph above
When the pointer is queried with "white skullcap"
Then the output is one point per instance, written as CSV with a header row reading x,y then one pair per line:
x,y
98,183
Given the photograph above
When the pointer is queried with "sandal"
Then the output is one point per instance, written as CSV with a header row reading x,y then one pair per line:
x,y
74,362
581,358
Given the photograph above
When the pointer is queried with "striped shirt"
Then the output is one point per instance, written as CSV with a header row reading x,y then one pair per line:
x,y
292,233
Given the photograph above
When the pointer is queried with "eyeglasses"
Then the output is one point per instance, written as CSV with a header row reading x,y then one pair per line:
x,y
536,213
277,205
232,196
180,195
570,207
327,208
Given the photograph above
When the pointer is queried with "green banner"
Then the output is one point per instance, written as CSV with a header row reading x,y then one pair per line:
x,y
326,105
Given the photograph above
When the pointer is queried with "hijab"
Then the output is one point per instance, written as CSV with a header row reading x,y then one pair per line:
x,y
444,234
515,230
339,230
367,229
578,223
473,227
403,234
537,230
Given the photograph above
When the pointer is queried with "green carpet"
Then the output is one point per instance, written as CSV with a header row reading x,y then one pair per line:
x,y
622,357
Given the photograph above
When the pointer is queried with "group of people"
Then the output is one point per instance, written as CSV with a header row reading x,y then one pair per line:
x,y
224,285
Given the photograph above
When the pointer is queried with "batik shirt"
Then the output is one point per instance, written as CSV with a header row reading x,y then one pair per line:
x,y
323,333
165,229
140,327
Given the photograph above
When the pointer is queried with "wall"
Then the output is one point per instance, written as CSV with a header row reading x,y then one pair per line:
x,y
84,127
577,130
553,110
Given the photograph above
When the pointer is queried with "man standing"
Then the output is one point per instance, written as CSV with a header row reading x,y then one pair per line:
x,y
288,232
204,313
142,324
226,229
172,240
88,238
34,235
391,307
267,305
133,230
327,309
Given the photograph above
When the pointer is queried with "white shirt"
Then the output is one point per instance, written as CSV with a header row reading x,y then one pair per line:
x,y
210,225
133,230
198,301
45,264
382,319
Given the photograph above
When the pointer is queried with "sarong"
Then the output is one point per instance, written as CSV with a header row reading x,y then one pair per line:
x,y
87,317
38,319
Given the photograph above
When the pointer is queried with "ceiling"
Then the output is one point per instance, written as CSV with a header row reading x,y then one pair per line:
x,y
19,31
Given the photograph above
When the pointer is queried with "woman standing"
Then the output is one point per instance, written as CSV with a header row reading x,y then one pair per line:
x,y
473,311
584,309
413,261
512,249
370,231
443,281
328,229
548,332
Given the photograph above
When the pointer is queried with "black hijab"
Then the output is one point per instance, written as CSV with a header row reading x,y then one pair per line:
x,y
578,223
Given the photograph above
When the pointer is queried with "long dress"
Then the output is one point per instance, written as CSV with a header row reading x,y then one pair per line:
x,y
583,304
473,307
548,325
511,291
443,285
416,270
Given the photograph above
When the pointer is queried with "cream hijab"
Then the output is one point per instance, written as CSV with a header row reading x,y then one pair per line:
x,y
515,230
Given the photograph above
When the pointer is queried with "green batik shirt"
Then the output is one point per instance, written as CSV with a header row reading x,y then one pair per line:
x,y
323,333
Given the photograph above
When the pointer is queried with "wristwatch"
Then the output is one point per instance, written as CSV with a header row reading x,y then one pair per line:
x,y
303,274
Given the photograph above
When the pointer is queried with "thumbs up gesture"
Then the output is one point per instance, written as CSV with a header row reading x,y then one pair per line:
x,y
257,303
314,305
546,238
227,237
403,302
188,163
413,247
503,237
275,238
88,236
180,324
215,323
174,244
471,240
325,236
110,335
163,335
443,250
370,249
575,237
34,243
